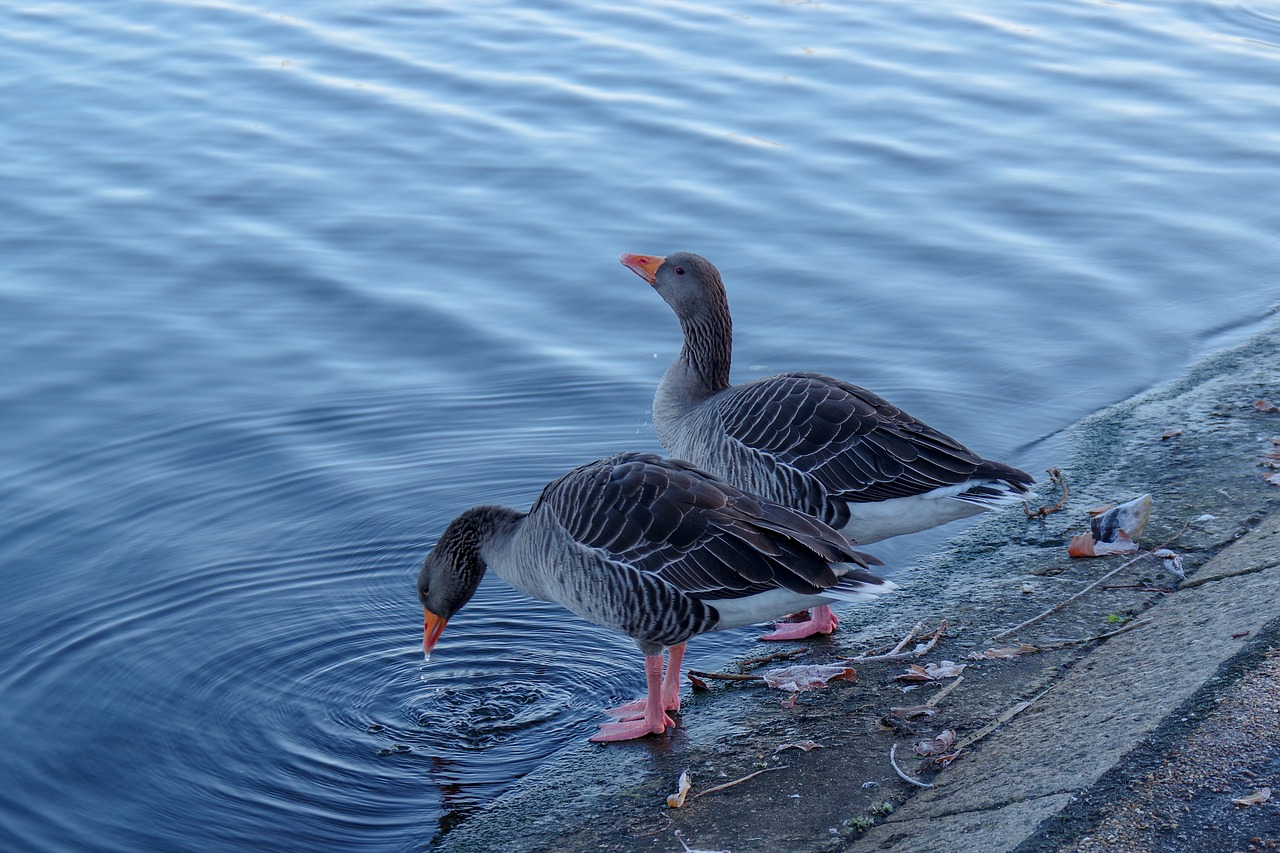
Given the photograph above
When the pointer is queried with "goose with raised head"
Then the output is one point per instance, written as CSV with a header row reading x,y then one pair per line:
x,y
653,548
808,441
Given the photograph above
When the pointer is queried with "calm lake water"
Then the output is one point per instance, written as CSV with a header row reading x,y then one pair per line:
x,y
284,288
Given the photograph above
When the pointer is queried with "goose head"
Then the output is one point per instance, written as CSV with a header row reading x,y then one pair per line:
x,y
689,283
452,571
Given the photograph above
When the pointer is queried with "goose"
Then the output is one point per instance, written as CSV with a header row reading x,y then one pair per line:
x,y
651,547
818,444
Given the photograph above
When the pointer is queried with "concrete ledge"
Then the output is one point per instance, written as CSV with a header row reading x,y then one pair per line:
x,y
1106,706
1002,828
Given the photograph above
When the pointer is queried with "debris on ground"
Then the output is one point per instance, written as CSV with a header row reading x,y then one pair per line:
x,y
808,677
676,800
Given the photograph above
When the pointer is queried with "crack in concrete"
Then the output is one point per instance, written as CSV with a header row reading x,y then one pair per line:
x,y
1193,583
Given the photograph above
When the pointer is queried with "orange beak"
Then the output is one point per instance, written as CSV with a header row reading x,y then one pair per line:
x,y
645,266
432,628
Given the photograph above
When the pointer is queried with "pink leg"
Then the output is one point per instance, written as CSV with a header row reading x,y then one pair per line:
x,y
671,680
670,689
655,720
821,621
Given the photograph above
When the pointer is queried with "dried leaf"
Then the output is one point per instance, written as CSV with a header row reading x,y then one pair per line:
x,y
1257,798
676,800
1084,545
1081,545
945,669
932,671
914,672
806,745
810,677
1004,654
1265,406
940,745
945,760
1273,479
698,683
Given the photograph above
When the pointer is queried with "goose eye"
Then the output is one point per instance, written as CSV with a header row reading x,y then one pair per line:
x,y
679,270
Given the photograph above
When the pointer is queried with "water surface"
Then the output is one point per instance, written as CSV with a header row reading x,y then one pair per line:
x,y
285,288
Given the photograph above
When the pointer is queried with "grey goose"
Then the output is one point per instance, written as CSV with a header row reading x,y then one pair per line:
x,y
821,445
653,548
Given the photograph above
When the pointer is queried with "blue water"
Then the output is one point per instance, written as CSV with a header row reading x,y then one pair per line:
x,y
283,289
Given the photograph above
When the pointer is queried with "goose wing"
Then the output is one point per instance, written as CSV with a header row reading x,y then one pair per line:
x,y
857,445
695,531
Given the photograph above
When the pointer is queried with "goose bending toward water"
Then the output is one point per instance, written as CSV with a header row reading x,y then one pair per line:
x,y
808,441
653,548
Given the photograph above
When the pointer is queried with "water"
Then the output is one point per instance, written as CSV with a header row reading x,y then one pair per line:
x,y
285,288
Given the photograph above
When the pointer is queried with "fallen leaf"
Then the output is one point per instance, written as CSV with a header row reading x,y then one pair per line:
x,y
1173,433
676,800
914,672
932,671
1266,406
1273,479
698,683
945,760
1258,797
806,745
1084,545
1004,654
945,669
811,677
940,745
1081,545
1172,561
